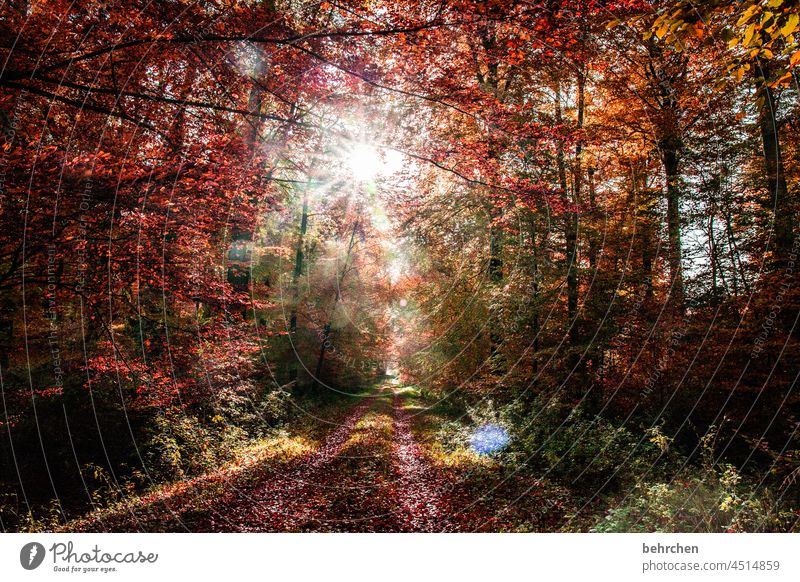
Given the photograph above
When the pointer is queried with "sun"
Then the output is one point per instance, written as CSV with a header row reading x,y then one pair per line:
x,y
366,162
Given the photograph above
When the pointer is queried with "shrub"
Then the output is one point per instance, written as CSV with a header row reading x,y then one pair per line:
x,y
582,451
457,434
181,445
716,497
718,500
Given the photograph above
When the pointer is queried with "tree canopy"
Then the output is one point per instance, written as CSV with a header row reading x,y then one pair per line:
x,y
575,220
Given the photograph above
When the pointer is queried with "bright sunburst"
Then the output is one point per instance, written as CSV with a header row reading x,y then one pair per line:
x,y
366,162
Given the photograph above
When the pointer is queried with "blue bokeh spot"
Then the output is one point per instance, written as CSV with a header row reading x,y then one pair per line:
x,y
488,439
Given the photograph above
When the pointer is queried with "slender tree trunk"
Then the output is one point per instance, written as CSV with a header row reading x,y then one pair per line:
x,y
255,101
573,217
570,226
299,260
535,291
664,76
778,199
495,260
495,269
670,148
326,334
593,210
328,331
645,218
571,243
735,256
298,264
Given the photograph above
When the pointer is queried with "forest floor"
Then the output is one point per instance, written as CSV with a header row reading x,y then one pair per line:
x,y
371,466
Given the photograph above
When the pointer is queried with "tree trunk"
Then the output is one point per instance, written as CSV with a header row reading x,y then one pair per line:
x,y
495,271
778,198
574,217
294,370
735,255
328,332
665,74
570,227
535,291
645,217
298,264
670,148
255,101
593,210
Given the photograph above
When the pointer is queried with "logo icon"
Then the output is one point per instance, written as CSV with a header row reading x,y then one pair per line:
x,y
31,555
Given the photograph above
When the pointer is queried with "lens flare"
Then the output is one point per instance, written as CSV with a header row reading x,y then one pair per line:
x,y
489,439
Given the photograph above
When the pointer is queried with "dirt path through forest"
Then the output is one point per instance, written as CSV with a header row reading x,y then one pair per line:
x,y
275,504
369,474
420,492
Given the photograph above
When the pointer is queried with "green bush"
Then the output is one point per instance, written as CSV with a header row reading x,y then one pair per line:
x,y
714,498
717,500
582,451
181,445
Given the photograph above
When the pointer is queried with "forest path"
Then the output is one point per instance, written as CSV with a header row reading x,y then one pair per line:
x,y
420,491
381,468
369,474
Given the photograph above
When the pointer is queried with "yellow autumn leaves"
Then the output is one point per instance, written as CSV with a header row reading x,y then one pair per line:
x,y
756,30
